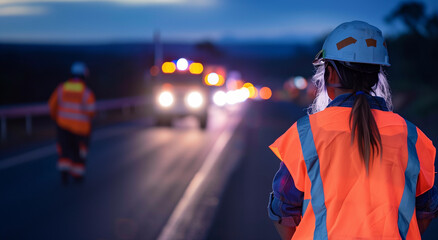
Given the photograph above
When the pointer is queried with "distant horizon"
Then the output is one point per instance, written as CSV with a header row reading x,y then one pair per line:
x,y
150,41
74,22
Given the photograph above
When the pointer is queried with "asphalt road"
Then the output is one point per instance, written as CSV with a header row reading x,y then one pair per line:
x,y
136,176
139,178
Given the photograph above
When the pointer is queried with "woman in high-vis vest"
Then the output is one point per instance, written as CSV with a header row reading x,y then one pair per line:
x,y
353,169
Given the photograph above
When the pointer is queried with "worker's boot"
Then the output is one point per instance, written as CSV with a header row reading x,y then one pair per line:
x,y
78,179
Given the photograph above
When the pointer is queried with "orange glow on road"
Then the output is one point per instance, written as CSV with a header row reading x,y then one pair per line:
x,y
265,93
168,67
196,68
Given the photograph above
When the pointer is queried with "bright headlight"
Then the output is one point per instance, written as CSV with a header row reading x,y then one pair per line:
x,y
220,98
165,99
194,100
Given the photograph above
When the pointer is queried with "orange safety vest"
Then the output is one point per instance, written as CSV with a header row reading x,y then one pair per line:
x,y
340,200
72,105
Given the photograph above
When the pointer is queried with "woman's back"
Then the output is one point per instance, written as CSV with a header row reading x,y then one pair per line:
x,y
354,203
354,168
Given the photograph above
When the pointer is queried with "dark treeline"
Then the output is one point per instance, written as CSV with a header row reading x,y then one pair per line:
x,y
413,56
29,73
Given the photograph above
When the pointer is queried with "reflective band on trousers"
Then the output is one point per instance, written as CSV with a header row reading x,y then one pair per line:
x,y
407,203
64,164
74,116
78,170
313,170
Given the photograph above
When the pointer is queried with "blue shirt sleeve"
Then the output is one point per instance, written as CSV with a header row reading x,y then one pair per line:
x,y
286,201
427,204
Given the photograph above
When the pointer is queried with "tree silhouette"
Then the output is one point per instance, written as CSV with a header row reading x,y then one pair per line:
x,y
413,15
432,26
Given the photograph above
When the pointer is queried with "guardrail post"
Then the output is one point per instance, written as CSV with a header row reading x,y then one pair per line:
x,y
4,133
28,124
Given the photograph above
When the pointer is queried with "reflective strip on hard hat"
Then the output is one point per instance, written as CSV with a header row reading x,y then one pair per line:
x,y
312,163
348,41
74,116
372,42
407,204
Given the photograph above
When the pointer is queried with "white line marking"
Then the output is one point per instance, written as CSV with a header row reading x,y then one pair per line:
x,y
28,157
49,150
194,190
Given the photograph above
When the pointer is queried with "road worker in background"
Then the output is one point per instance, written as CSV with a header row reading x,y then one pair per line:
x,y
353,169
72,106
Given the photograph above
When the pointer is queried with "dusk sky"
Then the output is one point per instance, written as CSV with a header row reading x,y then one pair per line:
x,y
103,21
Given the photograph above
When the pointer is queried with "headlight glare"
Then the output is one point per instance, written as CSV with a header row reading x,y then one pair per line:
x,y
165,99
194,100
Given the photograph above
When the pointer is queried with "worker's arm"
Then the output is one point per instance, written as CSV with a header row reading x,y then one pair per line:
x,y
53,104
286,233
427,208
285,203
90,103
423,224
426,202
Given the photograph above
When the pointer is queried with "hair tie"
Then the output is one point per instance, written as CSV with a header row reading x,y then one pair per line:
x,y
359,93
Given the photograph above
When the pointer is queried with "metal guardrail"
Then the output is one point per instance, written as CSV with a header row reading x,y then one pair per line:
x,y
40,109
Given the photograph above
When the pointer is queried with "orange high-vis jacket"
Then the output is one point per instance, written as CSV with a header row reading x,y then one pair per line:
x,y
340,200
72,106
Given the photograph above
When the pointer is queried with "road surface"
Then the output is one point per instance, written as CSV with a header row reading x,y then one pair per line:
x,y
136,176
147,183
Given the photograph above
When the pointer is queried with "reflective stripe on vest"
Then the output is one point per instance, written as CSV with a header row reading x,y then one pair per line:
x,y
313,170
407,203
87,107
74,116
305,204
78,107
73,86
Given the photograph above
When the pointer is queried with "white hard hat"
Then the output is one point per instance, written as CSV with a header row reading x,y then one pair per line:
x,y
356,42
79,68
